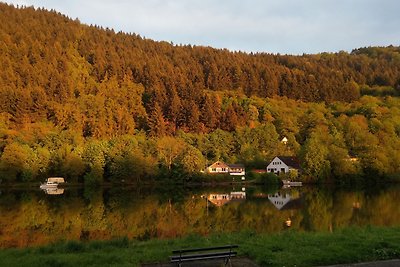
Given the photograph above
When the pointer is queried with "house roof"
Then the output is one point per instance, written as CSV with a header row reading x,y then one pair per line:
x,y
218,164
290,161
224,165
236,166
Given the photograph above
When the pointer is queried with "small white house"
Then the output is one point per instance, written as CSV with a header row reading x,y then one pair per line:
x,y
218,167
284,140
221,167
282,164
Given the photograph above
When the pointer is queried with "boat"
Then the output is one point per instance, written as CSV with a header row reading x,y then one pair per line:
x,y
54,191
48,185
52,182
291,183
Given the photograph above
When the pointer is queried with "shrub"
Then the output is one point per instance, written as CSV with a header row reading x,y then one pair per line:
x,y
265,178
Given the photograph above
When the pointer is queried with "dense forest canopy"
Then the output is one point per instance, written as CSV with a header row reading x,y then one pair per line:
x,y
51,63
79,99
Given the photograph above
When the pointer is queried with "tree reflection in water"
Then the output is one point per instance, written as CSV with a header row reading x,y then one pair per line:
x,y
31,218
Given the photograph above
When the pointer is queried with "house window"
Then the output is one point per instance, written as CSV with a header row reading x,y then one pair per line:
x,y
223,169
214,169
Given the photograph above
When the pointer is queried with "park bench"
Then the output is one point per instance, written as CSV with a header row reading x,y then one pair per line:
x,y
195,254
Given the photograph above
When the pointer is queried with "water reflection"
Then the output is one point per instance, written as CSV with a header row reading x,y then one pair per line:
x,y
32,218
53,191
285,199
219,199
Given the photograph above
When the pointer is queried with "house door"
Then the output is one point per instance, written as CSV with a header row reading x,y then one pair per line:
x,y
282,170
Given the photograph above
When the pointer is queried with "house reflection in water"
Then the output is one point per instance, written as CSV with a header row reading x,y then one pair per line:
x,y
285,200
221,199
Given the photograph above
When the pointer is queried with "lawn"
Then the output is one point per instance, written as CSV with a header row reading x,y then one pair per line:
x,y
290,248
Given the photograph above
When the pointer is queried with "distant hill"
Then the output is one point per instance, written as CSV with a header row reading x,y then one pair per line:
x,y
57,69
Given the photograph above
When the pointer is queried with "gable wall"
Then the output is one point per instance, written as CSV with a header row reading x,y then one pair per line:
x,y
277,165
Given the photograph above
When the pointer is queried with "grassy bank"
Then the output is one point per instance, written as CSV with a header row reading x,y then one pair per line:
x,y
285,249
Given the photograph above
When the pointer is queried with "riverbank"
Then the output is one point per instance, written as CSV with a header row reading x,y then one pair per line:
x,y
350,245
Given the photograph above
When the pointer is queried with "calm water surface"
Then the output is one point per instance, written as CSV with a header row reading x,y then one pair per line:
x,y
32,217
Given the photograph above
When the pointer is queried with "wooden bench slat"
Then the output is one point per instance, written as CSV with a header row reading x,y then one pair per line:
x,y
202,258
194,254
208,255
204,249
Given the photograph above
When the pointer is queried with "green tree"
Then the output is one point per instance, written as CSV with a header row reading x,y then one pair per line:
x,y
15,163
127,160
219,145
257,145
73,166
169,149
192,160
314,156
94,157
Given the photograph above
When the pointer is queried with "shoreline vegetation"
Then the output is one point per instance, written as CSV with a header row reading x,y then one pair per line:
x,y
348,245
252,178
200,180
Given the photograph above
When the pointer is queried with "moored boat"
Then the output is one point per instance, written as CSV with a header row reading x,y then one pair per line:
x,y
291,183
52,182
48,185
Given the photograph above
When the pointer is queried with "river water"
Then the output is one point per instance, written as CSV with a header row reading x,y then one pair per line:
x,y
32,217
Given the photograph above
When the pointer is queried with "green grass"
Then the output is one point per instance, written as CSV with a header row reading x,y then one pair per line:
x,y
290,248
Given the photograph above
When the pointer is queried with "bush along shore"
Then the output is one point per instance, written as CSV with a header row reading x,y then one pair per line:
x,y
289,248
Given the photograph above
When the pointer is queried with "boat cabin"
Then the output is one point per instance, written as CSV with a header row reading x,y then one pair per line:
x,y
57,180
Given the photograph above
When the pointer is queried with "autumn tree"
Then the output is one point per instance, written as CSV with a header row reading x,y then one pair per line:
x,y
156,122
169,149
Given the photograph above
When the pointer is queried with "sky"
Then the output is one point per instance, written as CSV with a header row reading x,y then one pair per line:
x,y
271,26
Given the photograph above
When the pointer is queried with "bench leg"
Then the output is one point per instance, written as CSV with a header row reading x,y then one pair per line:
x,y
228,260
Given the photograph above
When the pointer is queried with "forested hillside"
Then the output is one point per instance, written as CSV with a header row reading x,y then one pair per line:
x,y
79,100
108,83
